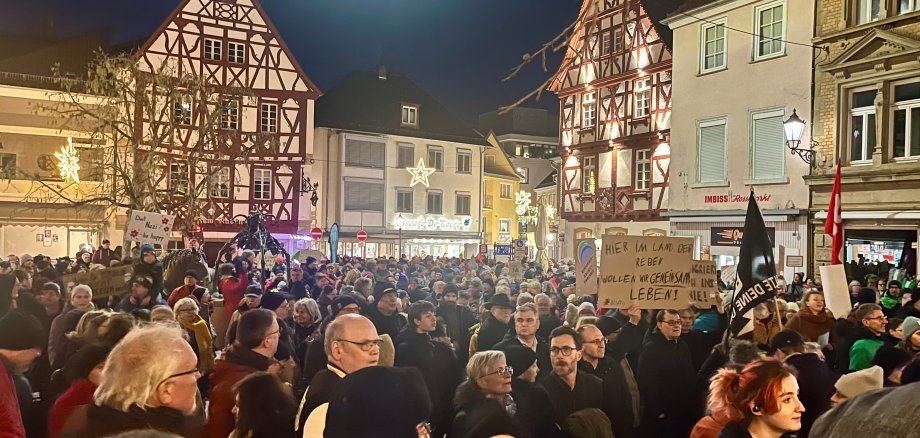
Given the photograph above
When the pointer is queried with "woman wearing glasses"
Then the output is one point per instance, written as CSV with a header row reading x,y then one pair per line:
x,y
484,404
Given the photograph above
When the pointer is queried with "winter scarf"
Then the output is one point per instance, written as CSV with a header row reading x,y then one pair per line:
x,y
889,301
204,340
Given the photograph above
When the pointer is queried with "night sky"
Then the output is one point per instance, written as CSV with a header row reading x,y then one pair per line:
x,y
458,50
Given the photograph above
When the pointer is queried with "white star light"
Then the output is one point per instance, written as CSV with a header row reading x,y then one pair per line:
x,y
420,173
68,162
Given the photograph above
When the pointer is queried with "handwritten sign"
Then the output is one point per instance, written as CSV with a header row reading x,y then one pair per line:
x,y
515,270
585,267
146,227
104,282
704,285
650,272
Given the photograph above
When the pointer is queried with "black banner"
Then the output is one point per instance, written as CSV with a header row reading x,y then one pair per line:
x,y
756,282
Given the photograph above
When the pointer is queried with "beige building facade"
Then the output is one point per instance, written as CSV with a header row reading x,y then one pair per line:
x,y
733,90
867,115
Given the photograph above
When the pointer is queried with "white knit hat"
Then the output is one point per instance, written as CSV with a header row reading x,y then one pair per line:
x,y
858,382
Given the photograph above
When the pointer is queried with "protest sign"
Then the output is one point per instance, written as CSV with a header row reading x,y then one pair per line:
x,y
585,267
704,285
104,282
147,227
836,291
650,272
515,270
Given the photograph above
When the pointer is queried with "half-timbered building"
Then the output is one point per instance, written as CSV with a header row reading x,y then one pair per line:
x,y
234,45
614,88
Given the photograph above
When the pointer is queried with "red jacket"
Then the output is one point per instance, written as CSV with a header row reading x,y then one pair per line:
x,y
233,367
80,393
233,289
10,417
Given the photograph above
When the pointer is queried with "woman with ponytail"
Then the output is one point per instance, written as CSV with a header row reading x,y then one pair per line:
x,y
760,401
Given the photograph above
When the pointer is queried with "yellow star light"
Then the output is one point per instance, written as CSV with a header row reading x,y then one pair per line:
x,y
420,173
68,162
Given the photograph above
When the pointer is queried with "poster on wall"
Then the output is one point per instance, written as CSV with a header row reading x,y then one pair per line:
x,y
650,272
585,267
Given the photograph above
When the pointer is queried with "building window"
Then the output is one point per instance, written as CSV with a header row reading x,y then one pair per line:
x,y
182,110
364,195
463,204
212,49
867,10
504,226
905,6
464,161
268,117
364,153
711,156
436,158
178,179
906,138
7,165
434,202
220,183
588,110
862,126
410,115
768,145
643,170
261,184
404,200
230,114
605,43
642,96
589,175
525,173
504,191
771,28
405,155
236,53
618,39
712,48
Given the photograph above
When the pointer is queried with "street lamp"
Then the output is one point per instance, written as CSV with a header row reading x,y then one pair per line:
x,y
795,128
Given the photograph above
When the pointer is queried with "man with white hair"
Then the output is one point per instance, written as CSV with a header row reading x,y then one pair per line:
x,y
149,382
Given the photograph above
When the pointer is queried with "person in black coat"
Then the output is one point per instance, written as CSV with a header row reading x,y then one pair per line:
x,y
497,324
666,380
457,321
149,266
620,404
524,334
435,360
816,379
484,404
700,342
630,339
534,416
298,286
569,388
383,311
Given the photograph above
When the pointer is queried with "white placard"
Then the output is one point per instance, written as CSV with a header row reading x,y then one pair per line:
x,y
147,227
836,291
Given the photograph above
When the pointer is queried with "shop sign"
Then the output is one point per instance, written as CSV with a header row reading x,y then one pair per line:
x,y
731,198
731,236
432,223
795,261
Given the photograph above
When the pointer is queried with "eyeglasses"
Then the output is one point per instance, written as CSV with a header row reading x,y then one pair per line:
x,y
565,351
276,332
184,373
505,370
877,317
366,345
598,342
672,323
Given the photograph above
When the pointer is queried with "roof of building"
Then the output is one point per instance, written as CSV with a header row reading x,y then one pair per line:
x,y
27,60
689,5
658,10
549,181
365,102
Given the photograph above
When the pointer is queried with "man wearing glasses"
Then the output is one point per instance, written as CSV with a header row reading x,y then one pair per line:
x,y
867,336
257,336
569,389
352,344
621,397
526,323
666,379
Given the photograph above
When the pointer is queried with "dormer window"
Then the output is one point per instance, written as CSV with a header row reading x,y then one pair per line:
x,y
409,115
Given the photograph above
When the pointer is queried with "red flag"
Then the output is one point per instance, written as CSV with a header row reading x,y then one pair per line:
x,y
834,224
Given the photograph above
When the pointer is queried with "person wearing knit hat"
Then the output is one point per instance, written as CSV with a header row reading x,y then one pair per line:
x,y
866,295
608,325
398,396
858,382
383,312
344,304
911,342
523,360
21,341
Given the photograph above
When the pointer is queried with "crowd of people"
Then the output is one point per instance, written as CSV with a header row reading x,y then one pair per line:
x,y
447,347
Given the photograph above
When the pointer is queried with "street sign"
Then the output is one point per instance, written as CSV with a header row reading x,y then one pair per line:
x,y
362,236
503,250
520,243
316,233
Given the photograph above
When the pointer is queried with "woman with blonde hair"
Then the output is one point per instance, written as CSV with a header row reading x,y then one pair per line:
x,y
483,403
760,401
200,338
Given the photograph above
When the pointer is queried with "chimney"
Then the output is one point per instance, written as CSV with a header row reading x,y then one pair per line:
x,y
382,72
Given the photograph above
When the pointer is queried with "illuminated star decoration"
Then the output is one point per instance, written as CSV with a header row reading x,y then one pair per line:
x,y
68,162
420,173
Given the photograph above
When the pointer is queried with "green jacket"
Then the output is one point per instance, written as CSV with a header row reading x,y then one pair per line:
x,y
862,352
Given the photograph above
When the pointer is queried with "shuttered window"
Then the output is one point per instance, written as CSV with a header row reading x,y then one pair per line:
x,y
363,196
711,155
363,153
768,158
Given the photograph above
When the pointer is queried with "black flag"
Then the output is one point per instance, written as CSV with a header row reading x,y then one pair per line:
x,y
756,281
